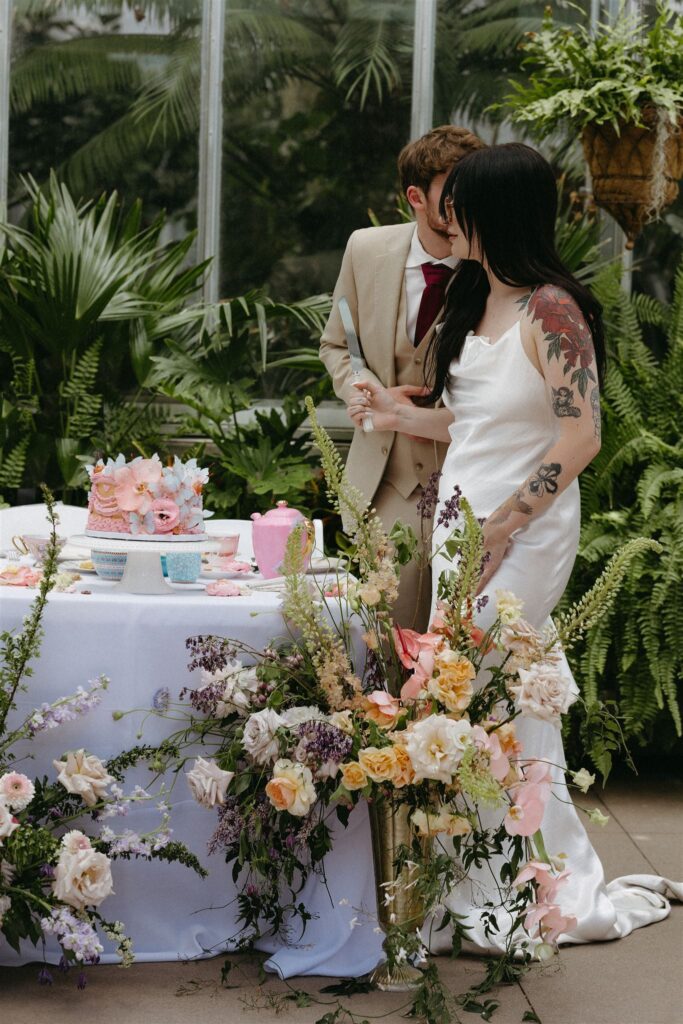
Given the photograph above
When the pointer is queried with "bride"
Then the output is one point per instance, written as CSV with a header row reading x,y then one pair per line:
x,y
518,364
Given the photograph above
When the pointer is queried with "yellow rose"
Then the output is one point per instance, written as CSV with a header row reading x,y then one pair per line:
x,y
431,823
403,774
353,776
380,764
452,687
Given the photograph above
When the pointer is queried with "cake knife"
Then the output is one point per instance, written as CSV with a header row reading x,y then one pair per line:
x,y
358,364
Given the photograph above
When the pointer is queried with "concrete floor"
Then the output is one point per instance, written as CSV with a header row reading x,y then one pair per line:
x,y
638,980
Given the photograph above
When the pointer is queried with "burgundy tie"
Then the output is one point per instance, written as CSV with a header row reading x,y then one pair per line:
x,y
436,276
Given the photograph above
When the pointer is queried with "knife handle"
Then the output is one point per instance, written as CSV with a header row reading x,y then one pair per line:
x,y
368,425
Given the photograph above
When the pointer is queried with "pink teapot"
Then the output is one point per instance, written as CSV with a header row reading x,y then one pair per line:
x,y
270,533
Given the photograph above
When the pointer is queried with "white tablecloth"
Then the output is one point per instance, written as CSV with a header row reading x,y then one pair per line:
x,y
139,643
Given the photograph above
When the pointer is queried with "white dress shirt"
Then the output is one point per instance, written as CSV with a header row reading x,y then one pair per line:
x,y
415,282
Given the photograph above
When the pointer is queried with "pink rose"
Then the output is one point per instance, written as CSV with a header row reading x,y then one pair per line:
x,y
223,588
166,515
134,483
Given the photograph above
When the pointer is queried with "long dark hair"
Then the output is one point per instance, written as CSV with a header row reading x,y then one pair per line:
x,y
505,197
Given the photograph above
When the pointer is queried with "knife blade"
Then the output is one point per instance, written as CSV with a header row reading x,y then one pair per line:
x,y
358,364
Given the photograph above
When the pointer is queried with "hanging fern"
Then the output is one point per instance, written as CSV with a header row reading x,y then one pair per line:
x,y
635,488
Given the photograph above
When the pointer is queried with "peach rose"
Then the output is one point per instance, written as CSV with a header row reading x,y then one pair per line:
x,y
452,686
403,773
291,788
353,775
382,709
379,763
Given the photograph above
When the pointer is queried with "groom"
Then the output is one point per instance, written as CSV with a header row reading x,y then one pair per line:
x,y
395,279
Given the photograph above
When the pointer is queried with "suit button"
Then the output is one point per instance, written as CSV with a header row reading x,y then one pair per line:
x,y
419,467
417,360
385,451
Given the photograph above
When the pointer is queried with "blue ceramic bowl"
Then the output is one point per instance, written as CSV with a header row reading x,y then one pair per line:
x,y
109,565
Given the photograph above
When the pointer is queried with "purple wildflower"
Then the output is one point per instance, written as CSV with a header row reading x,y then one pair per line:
x,y
323,746
205,698
481,602
82,981
161,699
75,935
67,709
450,509
429,497
211,653
44,976
230,826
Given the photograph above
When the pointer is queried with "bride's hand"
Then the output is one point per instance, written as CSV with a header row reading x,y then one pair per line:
x,y
373,398
496,546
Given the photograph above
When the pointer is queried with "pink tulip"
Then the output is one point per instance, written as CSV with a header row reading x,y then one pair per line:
x,y
133,485
386,705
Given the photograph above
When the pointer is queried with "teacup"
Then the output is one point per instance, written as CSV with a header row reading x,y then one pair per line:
x,y
35,545
109,565
183,566
228,545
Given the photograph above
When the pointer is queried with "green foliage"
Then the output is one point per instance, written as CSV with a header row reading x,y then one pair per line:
x,y
582,77
86,298
635,488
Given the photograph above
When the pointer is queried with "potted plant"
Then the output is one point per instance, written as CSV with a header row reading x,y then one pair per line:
x,y
621,88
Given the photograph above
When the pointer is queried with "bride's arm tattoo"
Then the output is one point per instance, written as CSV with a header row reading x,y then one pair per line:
x,y
567,335
544,480
515,503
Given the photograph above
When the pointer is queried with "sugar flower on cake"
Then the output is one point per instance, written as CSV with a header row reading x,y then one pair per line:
x,y
259,739
208,783
16,790
291,788
436,745
166,515
82,875
85,775
135,484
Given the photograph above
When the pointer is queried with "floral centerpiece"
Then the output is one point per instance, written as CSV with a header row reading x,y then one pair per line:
x,y
620,87
57,842
302,731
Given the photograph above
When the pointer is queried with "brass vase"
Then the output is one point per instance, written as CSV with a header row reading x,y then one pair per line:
x,y
391,828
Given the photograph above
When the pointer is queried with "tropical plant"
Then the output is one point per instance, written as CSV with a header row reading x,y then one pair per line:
x,y
87,297
579,77
635,488
255,348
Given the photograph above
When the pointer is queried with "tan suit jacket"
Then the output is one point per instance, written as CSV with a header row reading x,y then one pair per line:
x,y
372,279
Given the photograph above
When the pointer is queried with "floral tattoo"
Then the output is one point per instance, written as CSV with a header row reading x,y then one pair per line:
x,y
563,402
544,480
515,503
566,333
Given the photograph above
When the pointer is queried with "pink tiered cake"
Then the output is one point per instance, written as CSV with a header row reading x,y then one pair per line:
x,y
146,500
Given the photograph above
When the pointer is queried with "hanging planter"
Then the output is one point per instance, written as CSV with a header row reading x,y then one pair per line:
x,y
620,88
635,171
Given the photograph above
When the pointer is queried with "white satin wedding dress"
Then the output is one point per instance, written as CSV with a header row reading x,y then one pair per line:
x,y
503,425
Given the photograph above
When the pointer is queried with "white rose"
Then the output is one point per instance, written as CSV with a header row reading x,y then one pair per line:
x,y
583,779
85,775
509,607
241,685
7,823
291,788
5,904
432,822
208,783
343,721
435,747
306,713
259,739
543,692
82,878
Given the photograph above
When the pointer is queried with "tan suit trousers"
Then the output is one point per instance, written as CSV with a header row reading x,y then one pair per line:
x,y
415,588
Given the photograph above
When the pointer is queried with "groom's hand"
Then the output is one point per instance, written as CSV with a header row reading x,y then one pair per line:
x,y
404,394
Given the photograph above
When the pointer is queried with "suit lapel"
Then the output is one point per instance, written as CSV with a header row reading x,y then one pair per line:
x,y
389,284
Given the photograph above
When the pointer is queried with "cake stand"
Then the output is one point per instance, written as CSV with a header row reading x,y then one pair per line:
x,y
143,573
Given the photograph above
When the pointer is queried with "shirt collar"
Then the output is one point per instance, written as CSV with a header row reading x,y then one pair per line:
x,y
418,255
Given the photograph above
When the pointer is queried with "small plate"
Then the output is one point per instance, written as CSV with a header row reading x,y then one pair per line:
x,y
72,565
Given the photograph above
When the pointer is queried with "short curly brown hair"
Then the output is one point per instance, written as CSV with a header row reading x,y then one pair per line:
x,y
434,153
